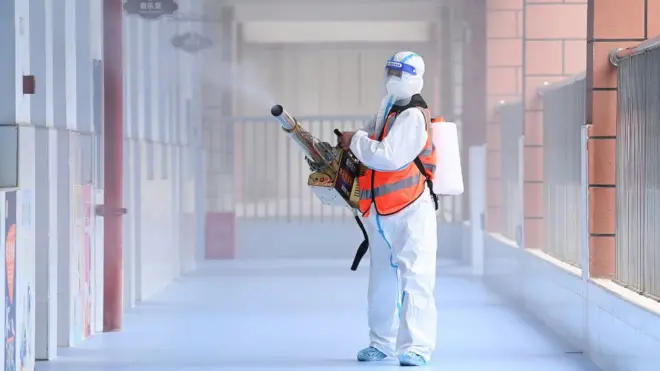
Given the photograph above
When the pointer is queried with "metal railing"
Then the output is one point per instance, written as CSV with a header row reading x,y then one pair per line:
x,y
270,173
564,113
638,170
511,197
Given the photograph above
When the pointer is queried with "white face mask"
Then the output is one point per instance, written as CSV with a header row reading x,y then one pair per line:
x,y
402,88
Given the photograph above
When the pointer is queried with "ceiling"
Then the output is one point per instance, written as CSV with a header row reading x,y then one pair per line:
x,y
323,10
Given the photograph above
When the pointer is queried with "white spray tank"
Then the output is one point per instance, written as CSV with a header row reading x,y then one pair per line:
x,y
448,178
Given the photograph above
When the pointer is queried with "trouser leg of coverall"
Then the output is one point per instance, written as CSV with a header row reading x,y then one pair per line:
x,y
383,292
414,240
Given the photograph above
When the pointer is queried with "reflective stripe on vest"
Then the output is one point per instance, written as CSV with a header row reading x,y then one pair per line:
x,y
390,192
389,188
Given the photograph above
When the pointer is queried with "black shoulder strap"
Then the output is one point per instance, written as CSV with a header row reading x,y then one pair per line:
x,y
364,246
429,183
418,161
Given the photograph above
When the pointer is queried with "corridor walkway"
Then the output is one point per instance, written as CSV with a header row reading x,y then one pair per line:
x,y
307,316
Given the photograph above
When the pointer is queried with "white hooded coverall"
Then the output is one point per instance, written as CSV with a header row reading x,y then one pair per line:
x,y
401,304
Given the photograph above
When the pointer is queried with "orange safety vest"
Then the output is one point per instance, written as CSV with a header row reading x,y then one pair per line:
x,y
392,191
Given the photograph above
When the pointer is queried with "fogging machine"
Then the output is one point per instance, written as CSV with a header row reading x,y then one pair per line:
x,y
334,171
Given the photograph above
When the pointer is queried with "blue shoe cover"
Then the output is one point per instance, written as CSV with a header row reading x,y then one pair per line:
x,y
370,354
411,359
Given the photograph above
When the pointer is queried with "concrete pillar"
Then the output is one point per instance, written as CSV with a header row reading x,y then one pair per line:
x,y
553,45
445,57
170,153
141,118
63,21
458,34
504,84
611,24
474,89
220,147
7,62
17,231
46,180
473,117
113,171
132,36
443,100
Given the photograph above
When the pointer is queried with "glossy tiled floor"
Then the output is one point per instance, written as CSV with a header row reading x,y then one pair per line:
x,y
307,316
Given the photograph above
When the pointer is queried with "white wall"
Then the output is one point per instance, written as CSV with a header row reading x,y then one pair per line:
x,y
335,11
159,185
18,270
334,79
306,31
59,241
618,329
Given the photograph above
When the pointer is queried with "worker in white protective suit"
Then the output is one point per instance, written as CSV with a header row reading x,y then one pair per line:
x,y
399,205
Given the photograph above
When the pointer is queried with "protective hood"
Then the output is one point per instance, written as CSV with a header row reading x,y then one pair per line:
x,y
404,77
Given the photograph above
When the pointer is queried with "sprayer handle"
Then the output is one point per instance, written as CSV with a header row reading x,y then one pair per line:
x,y
337,133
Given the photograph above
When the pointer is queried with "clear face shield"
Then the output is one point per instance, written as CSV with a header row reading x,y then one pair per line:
x,y
401,82
397,77
395,70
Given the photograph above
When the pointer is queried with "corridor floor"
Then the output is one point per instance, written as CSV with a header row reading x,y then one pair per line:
x,y
299,315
